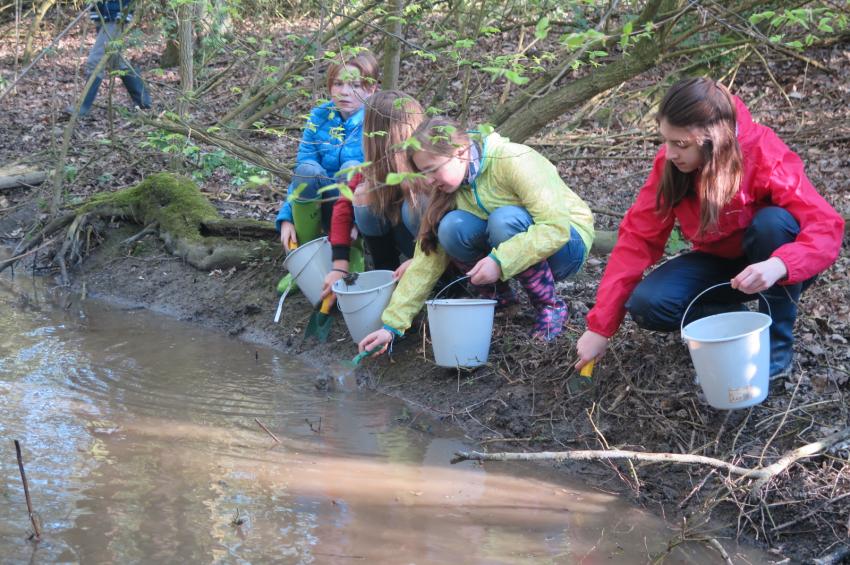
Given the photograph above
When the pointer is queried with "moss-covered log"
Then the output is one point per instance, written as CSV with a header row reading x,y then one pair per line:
x,y
181,213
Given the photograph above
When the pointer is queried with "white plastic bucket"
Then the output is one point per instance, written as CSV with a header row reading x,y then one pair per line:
x,y
363,302
309,265
461,329
731,355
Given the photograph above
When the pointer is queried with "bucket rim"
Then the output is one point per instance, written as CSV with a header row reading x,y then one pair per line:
x,y
759,329
461,302
318,240
391,282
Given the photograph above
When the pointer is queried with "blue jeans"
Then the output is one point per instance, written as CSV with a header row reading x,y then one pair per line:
x,y
659,301
404,233
314,177
467,238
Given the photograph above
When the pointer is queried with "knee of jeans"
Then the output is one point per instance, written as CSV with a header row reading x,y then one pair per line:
x,y
310,175
771,227
344,169
411,219
369,223
506,222
457,237
651,311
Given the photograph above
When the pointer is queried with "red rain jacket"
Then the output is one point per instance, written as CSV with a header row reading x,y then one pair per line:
x,y
773,176
342,220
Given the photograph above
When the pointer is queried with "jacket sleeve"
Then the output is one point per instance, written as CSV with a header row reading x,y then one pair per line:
x,y
640,244
821,227
308,149
342,221
413,289
537,184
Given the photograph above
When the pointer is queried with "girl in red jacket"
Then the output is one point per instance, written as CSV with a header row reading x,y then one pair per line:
x,y
386,215
742,199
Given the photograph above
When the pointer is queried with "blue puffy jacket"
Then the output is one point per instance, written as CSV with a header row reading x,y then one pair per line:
x,y
112,11
329,141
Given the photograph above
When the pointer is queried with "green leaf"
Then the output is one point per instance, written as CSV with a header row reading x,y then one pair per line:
x,y
410,143
755,19
625,37
541,30
515,78
394,179
464,43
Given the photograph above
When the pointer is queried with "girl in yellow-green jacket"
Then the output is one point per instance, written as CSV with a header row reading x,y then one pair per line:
x,y
499,210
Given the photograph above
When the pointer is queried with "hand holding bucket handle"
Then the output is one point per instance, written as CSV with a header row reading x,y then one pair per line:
x,y
712,287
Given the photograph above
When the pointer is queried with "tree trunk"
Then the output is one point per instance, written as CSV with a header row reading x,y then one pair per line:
x,y
392,49
36,23
538,112
186,38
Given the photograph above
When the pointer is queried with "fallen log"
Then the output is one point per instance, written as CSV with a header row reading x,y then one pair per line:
x,y
20,175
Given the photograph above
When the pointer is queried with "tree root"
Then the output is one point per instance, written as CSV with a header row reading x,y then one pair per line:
x,y
174,209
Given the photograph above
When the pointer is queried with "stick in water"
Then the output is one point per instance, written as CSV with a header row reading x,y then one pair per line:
x,y
265,429
37,531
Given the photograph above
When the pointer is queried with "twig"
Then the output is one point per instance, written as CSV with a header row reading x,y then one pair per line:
x,y
37,530
809,514
265,429
716,545
833,558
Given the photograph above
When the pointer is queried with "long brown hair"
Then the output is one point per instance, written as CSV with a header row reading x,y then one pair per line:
x,y
363,60
439,136
707,108
390,119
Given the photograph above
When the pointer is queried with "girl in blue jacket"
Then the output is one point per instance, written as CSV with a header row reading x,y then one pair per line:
x,y
331,143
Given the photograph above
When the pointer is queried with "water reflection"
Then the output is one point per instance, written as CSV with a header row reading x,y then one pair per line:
x,y
141,447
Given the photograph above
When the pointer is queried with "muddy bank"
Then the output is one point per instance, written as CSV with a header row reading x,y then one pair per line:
x,y
641,397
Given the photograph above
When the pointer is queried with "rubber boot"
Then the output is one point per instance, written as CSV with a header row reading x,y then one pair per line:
x,y
307,217
85,107
356,258
551,311
500,291
783,310
136,89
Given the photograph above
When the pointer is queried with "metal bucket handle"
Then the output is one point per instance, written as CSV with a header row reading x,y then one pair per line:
x,y
712,287
457,280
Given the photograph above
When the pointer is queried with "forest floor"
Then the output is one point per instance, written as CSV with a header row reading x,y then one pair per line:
x,y
642,395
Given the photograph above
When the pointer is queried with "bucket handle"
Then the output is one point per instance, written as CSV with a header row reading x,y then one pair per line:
x,y
457,280
374,298
712,287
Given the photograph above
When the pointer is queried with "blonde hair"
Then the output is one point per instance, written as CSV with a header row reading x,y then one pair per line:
x,y
438,136
390,119
364,61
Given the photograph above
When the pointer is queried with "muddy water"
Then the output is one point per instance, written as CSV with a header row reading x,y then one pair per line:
x,y
141,446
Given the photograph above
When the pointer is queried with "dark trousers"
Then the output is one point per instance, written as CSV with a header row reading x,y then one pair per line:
x,y
659,301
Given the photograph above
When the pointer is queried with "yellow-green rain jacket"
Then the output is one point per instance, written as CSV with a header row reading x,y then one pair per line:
x,y
511,174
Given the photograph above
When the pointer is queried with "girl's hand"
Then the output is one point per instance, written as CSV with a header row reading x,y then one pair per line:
x,y
401,269
486,271
590,346
361,194
287,235
760,276
339,266
378,339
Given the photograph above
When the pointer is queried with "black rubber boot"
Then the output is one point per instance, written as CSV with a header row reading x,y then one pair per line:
x,y
382,250
783,309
